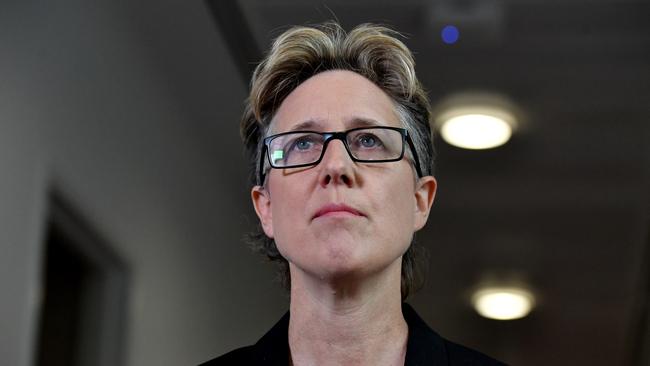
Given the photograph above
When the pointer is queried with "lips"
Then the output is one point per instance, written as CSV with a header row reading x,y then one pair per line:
x,y
336,209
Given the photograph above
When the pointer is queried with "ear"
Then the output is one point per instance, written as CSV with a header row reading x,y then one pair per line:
x,y
262,203
425,192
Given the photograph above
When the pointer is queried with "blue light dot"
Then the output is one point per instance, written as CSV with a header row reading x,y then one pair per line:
x,y
449,34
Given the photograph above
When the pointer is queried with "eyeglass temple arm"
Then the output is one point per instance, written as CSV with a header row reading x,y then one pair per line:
x,y
415,156
261,167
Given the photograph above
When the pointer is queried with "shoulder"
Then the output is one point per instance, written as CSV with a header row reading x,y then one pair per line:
x,y
426,347
239,356
459,355
271,349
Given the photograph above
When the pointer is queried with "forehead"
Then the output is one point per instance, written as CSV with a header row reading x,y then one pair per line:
x,y
335,100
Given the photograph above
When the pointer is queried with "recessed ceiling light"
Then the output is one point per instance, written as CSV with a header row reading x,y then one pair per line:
x,y
477,120
503,303
476,128
476,131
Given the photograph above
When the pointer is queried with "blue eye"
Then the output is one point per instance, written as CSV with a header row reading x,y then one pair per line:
x,y
368,141
304,144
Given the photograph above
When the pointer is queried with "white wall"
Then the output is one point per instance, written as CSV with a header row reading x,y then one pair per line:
x,y
84,108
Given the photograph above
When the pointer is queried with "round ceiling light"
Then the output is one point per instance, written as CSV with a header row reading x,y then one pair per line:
x,y
476,131
476,121
503,303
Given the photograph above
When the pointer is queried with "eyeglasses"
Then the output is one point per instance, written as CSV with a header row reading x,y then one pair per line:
x,y
365,145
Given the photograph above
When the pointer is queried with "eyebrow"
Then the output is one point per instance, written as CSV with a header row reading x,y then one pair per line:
x,y
353,122
309,124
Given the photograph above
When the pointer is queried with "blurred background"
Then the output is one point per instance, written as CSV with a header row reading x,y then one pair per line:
x,y
124,197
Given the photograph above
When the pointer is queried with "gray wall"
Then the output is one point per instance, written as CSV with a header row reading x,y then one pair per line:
x,y
86,108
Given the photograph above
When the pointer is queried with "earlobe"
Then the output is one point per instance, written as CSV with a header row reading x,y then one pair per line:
x,y
425,193
262,204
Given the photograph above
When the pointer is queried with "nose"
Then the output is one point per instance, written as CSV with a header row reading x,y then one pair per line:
x,y
337,166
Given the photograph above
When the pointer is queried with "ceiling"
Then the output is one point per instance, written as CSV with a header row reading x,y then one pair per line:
x,y
563,207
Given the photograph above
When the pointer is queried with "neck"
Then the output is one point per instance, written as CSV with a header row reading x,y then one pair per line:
x,y
347,321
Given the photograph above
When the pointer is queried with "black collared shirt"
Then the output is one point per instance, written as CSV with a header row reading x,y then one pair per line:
x,y
424,347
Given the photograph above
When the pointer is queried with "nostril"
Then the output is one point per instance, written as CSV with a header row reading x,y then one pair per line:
x,y
337,179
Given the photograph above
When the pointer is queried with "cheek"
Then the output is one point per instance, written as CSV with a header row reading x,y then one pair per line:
x,y
283,197
288,210
404,216
398,211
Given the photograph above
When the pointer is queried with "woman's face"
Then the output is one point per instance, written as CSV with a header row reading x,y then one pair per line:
x,y
340,218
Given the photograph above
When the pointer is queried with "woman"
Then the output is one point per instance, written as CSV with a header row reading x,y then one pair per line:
x,y
337,127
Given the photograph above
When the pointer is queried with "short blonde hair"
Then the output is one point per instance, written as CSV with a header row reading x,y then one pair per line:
x,y
301,52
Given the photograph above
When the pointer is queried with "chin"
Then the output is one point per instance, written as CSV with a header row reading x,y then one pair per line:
x,y
331,266
350,268
339,259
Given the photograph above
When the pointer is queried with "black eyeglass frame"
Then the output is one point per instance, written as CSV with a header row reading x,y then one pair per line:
x,y
340,135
